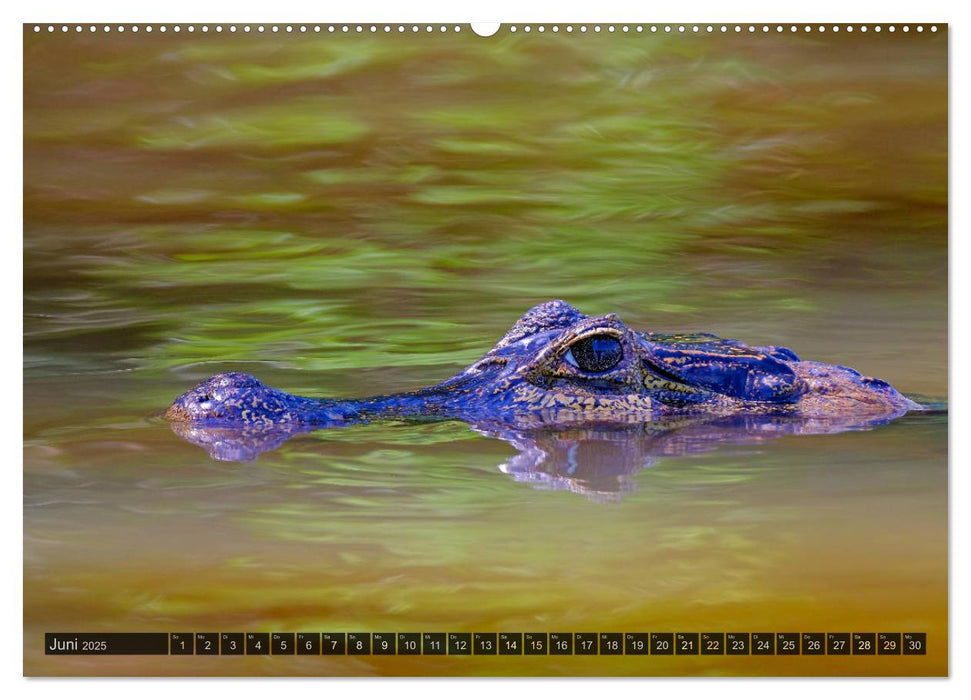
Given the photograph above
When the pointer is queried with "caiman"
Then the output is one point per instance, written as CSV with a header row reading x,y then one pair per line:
x,y
556,366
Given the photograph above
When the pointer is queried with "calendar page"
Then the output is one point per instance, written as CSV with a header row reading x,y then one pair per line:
x,y
590,349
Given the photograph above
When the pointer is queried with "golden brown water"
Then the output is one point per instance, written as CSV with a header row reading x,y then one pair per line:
x,y
348,215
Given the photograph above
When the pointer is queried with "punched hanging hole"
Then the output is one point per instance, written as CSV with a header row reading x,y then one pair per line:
x,y
485,28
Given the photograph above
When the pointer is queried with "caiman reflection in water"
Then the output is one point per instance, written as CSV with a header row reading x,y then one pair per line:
x,y
599,460
586,401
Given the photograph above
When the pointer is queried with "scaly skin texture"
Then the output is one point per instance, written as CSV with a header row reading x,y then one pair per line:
x,y
557,366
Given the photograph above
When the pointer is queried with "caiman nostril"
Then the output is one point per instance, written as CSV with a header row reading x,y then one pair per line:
x,y
176,413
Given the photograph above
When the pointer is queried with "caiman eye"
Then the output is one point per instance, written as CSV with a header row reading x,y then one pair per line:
x,y
598,353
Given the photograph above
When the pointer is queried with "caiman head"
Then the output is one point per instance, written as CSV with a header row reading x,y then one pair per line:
x,y
556,365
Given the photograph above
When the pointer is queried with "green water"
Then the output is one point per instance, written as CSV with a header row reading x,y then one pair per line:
x,y
350,215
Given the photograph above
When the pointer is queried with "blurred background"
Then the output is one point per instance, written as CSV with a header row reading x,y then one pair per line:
x,y
355,214
346,201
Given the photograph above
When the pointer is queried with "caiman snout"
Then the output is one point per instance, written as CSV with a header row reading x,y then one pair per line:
x,y
222,396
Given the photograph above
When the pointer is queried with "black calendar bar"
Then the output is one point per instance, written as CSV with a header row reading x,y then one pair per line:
x,y
468,644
